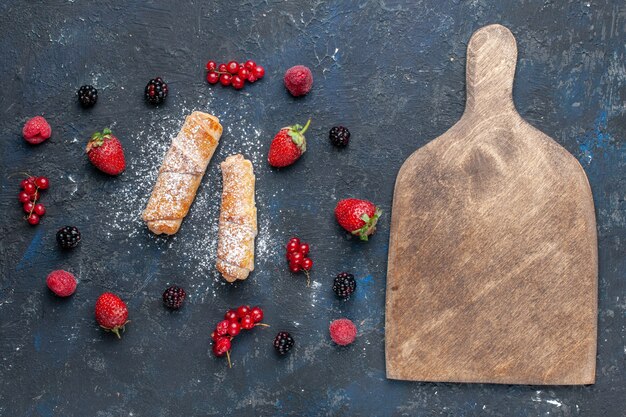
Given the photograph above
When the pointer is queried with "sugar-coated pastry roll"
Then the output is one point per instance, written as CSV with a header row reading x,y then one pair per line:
x,y
181,172
237,225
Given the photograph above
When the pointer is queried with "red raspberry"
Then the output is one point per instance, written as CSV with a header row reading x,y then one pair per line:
x,y
36,130
342,331
298,80
62,283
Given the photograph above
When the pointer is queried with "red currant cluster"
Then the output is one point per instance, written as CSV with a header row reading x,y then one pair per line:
x,y
297,256
29,197
233,73
243,317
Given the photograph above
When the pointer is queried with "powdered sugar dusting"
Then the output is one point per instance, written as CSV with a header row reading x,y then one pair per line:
x,y
191,252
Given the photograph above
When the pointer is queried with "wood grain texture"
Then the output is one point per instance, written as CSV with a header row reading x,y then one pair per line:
x,y
492,273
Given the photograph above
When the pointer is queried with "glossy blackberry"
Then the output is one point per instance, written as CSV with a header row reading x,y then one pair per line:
x,y
344,285
87,95
339,136
68,237
156,91
173,297
283,343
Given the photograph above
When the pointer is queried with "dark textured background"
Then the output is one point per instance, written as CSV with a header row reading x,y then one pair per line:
x,y
393,72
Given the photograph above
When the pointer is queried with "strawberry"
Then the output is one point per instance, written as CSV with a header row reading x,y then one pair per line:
x,y
358,217
105,152
111,313
288,145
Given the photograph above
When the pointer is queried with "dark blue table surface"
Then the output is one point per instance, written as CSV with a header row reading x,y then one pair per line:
x,y
393,72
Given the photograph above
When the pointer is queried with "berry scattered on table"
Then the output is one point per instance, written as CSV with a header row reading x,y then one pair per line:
x,y
288,145
298,80
87,96
344,285
31,188
62,283
173,297
111,313
106,153
339,136
36,130
342,331
358,217
68,237
156,91
235,320
233,73
283,342
297,257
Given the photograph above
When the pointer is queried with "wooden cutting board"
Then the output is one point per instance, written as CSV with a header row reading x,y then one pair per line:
x,y
493,261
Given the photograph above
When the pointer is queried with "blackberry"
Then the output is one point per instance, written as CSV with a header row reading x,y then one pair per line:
x,y
68,237
283,343
339,136
173,297
87,95
344,285
156,91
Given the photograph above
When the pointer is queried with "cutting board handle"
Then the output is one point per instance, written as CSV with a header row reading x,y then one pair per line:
x,y
491,59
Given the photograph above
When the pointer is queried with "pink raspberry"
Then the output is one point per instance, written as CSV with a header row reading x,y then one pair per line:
x,y
342,331
62,283
36,130
298,80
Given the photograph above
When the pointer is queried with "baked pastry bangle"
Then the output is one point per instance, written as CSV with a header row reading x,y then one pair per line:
x,y
238,222
181,172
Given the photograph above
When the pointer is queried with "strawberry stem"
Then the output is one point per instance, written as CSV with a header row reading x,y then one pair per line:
x,y
306,126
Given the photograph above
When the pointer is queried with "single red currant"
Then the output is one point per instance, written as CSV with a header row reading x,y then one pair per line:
x,y
221,346
234,328
251,77
222,68
243,73
307,264
304,249
222,327
232,67
250,64
42,182
296,258
39,209
28,206
225,79
33,219
238,82
30,188
26,181
259,71
257,314
247,323
293,246
231,315
23,197
211,65
242,311
295,240
294,268
212,77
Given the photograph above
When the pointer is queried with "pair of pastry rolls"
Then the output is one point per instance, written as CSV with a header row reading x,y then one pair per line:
x,y
179,177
